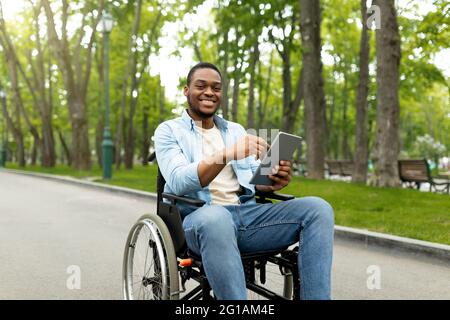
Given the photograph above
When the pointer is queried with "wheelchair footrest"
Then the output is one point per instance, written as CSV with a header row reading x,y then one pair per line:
x,y
185,262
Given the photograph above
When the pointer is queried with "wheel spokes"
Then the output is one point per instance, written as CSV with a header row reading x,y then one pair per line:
x,y
145,278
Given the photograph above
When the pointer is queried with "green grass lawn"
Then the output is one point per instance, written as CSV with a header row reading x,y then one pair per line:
x,y
403,212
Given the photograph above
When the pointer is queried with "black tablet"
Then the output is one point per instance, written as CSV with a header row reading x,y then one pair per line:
x,y
282,148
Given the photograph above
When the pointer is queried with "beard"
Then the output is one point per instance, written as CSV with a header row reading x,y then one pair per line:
x,y
196,109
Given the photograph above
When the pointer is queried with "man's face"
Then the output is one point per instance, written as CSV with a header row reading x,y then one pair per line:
x,y
204,92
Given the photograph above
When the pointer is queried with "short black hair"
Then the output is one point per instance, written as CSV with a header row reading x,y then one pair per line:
x,y
201,65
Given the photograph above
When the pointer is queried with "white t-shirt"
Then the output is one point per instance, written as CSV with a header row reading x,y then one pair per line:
x,y
225,186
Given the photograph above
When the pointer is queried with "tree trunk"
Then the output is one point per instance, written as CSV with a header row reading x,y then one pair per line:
x,y
16,130
43,97
287,88
251,88
34,152
291,115
313,87
20,148
331,138
234,104
65,148
361,142
197,51
225,80
76,74
161,105
130,138
387,132
48,153
145,136
129,71
135,84
290,107
263,104
345,149
81,153
13,65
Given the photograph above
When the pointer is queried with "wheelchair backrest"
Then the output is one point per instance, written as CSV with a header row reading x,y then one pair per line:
x,y
160,183
170,215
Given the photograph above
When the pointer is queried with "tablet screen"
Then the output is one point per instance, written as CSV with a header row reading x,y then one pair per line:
x,y
282,148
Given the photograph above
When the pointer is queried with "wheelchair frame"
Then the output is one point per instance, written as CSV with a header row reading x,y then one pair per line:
x,y
189,265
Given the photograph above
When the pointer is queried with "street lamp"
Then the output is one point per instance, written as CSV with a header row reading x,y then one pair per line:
x,y
107,144
2,142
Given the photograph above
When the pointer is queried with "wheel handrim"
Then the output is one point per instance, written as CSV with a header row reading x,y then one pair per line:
x,y
150,285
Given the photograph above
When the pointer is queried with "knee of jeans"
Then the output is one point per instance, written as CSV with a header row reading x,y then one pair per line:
x,y
215,220
322,209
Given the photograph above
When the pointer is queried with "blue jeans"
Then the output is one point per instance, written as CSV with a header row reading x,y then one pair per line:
x,y
219,234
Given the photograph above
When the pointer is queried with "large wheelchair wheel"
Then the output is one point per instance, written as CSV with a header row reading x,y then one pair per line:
x,y
150,270
278,280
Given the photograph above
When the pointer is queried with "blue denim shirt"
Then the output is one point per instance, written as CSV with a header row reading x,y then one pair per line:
x,y
179,151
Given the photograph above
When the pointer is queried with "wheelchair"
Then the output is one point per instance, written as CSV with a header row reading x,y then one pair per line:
x,y
156,258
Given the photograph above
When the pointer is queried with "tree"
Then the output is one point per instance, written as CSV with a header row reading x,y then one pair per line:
x,y
132,54
313,87
76,78
14,126
136,78
251,89
361,142
285,20
388,61
264,91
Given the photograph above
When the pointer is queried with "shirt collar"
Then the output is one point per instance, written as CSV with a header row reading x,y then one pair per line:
x,y
220,122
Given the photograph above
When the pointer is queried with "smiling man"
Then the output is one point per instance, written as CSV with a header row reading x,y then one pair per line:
x,y
204,156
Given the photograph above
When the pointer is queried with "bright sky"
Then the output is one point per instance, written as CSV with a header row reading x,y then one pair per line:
x,y
172,67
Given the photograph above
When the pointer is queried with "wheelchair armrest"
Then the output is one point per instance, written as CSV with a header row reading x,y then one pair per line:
x,y
273,195
173,198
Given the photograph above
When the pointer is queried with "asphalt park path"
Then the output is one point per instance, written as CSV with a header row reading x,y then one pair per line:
x,y
51,230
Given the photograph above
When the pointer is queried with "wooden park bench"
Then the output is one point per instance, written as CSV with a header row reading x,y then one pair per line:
x,y
334,167
347,167
414,172
340,167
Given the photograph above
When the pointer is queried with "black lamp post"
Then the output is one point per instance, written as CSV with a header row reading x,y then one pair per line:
x,y
3,140
107,144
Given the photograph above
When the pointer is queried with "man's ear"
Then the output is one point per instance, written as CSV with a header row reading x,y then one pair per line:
x,y
186,91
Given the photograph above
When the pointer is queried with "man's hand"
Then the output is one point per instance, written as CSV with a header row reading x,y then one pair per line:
x,y
211,166
246,146
281,175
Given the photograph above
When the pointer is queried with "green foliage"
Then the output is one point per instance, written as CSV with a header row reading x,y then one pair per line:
x,y
424,89
426,147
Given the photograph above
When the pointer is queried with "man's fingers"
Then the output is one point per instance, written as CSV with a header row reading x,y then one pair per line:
x,y
262,151
285,163
258,150
278,169
262,143
282,173
281,177
285,168
274,178
256,146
